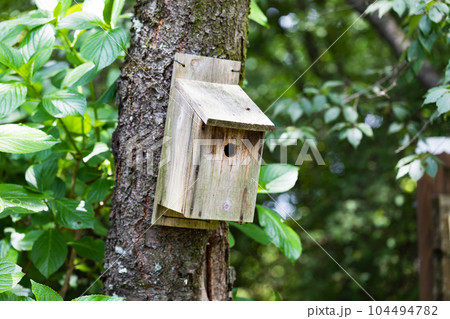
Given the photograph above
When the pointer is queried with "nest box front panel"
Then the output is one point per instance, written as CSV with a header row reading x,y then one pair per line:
x,y
224,174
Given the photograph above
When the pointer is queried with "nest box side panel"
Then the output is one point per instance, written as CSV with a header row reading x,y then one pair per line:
x,y
175,160
193,68
227,175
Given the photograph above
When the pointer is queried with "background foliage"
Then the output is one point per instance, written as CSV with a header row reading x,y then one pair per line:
x,y
58,79
354,206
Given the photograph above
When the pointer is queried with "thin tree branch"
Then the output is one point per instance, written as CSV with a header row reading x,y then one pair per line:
x,y
424,127
394,75
389,30
70,267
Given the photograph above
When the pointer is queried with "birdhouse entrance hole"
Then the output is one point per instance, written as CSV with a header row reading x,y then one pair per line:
x,y
230,150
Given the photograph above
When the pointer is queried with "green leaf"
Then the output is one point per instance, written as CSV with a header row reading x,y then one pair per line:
x,y
435,94
425,25
16,138
381,6
277,178
254,232
332,84
231,240
332,114
81,20
435,15
443,104
97,298
99,148
103,47
90,248
78,124
281,106
257,15
366,129
416,170
7,252
95,7
73,214
44,293
49,252
10,275
399,7
306,105
46,5
402,171
81,75
405,160
281,235
427,41
24,242
431,167
319,102
350,114
441,6
98,190
338,126
12,95
27,70
36,41
354,136
10,57
295,111
395,127
64,102
7,296
41,176
415,52
112,11
61,8
108,95
10,33
18,196
400,112
29,22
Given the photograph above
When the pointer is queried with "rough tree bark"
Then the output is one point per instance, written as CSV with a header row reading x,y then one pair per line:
x,y
162,263
389,30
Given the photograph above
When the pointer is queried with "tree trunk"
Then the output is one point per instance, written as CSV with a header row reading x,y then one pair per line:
x,y
145,262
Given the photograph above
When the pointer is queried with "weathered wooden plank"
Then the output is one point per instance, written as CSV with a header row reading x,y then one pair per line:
x,y
226,185
223,105
173,219
179,122
426,189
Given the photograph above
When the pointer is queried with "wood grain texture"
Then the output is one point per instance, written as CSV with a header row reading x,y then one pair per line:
x,y
226,186
182,127
171,218
223,105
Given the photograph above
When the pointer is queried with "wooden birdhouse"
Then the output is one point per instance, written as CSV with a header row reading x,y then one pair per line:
x,y
213,142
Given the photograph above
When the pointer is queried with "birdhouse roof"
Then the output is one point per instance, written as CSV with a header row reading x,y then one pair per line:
x,y
224,105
